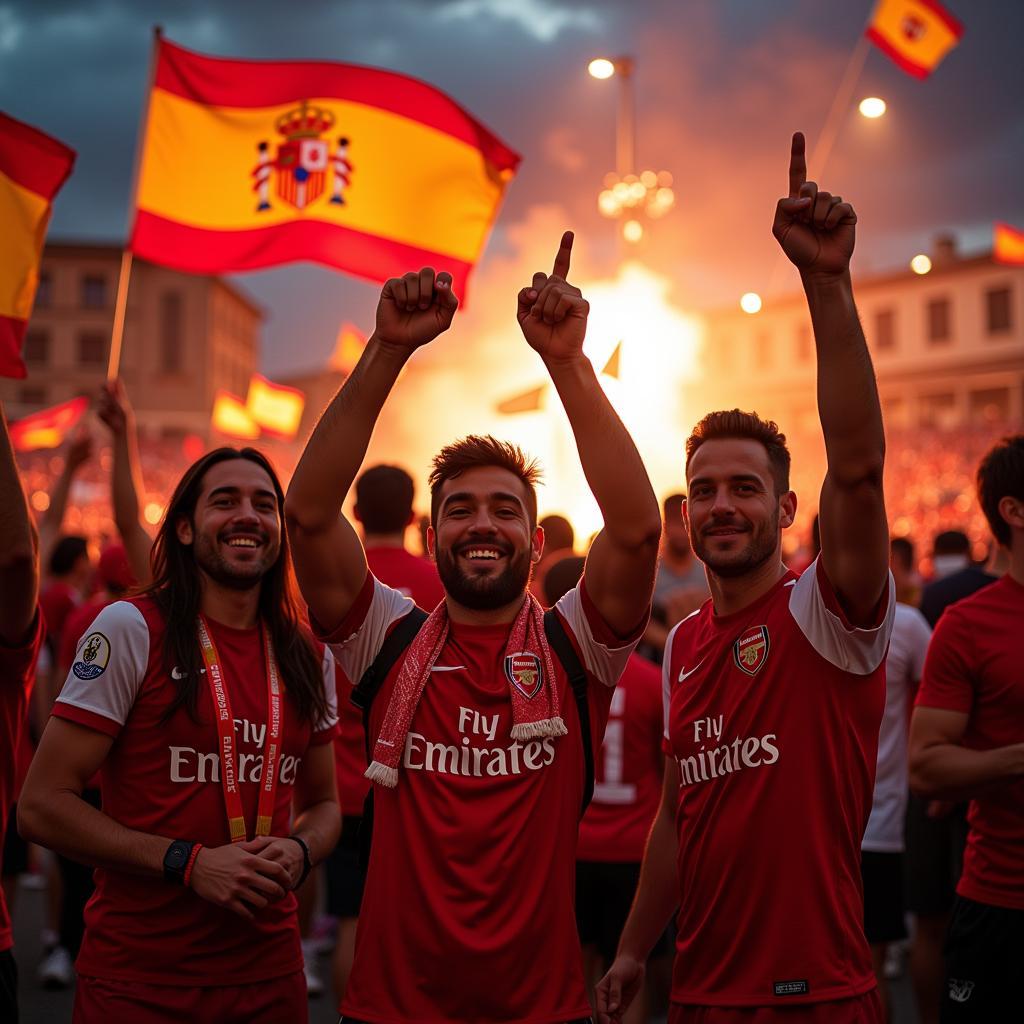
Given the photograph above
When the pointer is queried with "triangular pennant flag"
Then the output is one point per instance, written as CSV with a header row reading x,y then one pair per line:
x,y
528,401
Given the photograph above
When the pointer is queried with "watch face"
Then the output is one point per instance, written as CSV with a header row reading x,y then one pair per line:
x,y
176,857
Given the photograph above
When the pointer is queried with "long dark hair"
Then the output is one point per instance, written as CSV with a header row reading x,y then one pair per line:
x,y
176,591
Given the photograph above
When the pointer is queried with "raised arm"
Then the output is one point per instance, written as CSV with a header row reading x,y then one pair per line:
x,y
329,560
622,560
19,556
816,231
116,412
78,453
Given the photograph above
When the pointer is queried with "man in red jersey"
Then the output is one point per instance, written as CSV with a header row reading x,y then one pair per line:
x,y
21,636
477,747
967,742
222,712
774,693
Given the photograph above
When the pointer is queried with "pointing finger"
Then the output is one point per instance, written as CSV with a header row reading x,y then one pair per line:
x,y
797,165
561,267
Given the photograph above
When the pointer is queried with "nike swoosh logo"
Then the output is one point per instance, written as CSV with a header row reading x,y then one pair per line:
x,y
447,668
176,673
683,675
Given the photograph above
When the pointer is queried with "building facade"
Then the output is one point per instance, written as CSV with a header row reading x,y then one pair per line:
x,y
185,337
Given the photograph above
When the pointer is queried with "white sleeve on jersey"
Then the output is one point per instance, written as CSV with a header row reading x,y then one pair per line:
x,y
109,664
604,662
855,650
666,674
920,635
330,692
355,654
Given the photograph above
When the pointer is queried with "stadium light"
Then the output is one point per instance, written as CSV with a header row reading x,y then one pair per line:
x,y
872,107
750,302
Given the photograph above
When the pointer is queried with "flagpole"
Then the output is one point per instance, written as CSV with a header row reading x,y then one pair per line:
x,y
124,278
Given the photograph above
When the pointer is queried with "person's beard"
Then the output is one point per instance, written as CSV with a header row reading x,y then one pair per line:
x,y
235,577
480,592
760,547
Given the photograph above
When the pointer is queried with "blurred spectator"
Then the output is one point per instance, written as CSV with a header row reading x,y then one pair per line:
x,y
559,541
901,564
955,575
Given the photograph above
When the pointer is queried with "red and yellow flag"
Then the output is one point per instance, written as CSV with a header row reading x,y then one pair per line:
x,y
248,164
231,417
49,427
916,34
33,167
276,408
347,349
1008,245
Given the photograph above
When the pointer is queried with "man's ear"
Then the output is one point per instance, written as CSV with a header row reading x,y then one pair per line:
x,y
787,509
432,543
183,528
537,552
1012,512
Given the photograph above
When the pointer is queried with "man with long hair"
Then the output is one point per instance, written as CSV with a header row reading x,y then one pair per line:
x,y
477,739
208,714
774,693
21,637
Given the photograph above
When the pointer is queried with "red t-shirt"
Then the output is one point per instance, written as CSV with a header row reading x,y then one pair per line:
x,y
164,778
773,714
629,769
19,673
349,751
408,574
468,909
57,601
973,666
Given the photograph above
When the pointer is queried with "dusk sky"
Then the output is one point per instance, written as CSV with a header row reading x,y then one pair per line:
x,y
720,87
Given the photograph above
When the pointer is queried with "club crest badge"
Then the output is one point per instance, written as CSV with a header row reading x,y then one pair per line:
x,y
750,652
523,671
303,162
93,656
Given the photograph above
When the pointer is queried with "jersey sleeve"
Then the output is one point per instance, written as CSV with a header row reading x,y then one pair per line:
x,y
359,637
948,679
109,666
920,637
666,684
327,728
816,610
604,654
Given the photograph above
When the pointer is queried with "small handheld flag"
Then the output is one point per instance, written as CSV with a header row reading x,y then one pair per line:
x,y
916,34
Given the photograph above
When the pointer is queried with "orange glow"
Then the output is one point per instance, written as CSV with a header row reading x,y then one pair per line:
x,y
153,512
920,264
231,417
872,107
40,501
632,231
750,302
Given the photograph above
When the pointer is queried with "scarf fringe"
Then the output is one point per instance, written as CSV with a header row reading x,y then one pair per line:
x,y
382,775
539,730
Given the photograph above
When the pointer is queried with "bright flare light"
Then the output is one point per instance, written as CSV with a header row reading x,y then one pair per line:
x,y
632,231
920,264
154,512
872,107
601,67
750,302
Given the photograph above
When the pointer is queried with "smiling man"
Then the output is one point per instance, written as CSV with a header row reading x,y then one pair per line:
x,y
208,714
773,695
476,741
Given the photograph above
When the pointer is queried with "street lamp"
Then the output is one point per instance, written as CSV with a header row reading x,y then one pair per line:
x,y
626,193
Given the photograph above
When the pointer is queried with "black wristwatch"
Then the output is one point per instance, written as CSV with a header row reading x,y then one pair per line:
x,y
307,864
176,860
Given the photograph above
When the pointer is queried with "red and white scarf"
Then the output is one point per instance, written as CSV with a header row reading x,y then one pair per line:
x,y
535,709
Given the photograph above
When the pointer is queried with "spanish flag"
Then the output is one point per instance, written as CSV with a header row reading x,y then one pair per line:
x,y
49,427
249,164
33,167
1008,245
347,349
276,408
916,34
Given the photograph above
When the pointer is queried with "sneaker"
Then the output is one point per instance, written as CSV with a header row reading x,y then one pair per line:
x,y
314,983
56,971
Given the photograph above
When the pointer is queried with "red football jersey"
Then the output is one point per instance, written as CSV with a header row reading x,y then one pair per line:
x,y
349,751
407,573
57,600
773,714
973,666
164,778
629,770
19,673
468,909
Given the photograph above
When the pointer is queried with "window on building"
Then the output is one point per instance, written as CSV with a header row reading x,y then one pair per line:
x,y
92,348
37,347
763,351
804,343
990,405
938,410
998,311
939,321
170,332
94,292
44,290
885,329
32,394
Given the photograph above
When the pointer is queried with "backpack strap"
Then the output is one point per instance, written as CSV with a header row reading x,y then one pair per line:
x,y
563,647
362,696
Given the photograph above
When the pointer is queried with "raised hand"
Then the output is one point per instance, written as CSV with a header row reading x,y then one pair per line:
x,y
815,229
79,448
552,313
415,308
113,407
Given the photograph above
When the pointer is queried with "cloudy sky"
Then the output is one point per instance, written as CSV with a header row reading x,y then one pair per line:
x,y
720,86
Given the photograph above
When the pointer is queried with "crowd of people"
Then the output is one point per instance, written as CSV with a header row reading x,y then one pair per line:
x,y
668,776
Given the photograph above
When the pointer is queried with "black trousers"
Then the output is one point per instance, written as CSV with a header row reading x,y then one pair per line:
x,y
8,988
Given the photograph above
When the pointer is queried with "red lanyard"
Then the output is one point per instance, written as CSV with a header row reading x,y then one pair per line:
x,y
226,733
